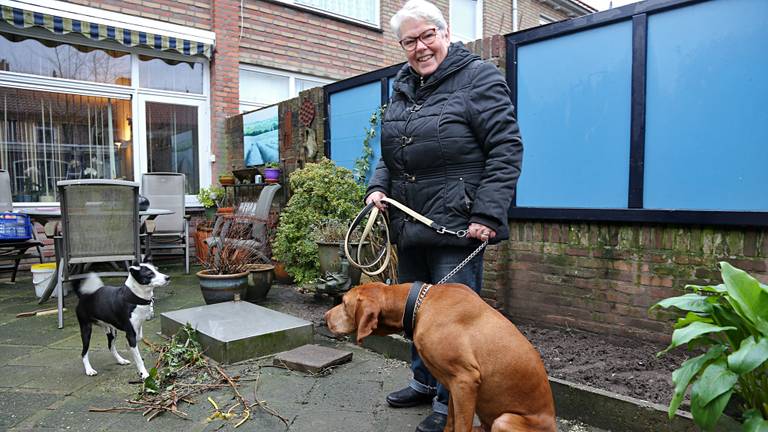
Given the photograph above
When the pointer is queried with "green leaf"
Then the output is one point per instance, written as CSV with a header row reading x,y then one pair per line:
x,y
694,330
718,289
714,381
706,416
754,422
682,376
750,299
691,317
687,302
750,355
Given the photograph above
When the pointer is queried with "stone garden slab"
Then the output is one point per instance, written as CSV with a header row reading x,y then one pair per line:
x,y
234,331
312,358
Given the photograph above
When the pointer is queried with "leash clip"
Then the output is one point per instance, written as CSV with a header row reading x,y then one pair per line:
x,y
459,233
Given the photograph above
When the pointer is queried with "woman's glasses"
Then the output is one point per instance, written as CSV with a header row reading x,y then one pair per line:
x,y
426,37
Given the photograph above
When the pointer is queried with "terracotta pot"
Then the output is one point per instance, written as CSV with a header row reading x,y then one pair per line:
x,y
222,288
226,180
225,210
259,282
201,247
282,276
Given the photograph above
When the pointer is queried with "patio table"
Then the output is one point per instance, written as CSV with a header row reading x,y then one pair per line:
x,y
43,215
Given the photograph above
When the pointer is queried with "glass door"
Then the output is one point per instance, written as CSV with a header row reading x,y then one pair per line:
x,y
175,137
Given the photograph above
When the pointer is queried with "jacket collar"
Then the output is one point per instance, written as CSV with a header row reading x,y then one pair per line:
x,y
407,80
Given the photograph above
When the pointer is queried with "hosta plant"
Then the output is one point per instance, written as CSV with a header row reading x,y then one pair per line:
x,y
730,321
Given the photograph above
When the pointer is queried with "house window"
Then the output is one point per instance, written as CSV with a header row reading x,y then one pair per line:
x,y
62,60
364,11
260,87
466,20
47,137
165,74
71,111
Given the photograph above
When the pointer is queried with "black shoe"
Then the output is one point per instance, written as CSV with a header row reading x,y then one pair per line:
x,y
408,397
434,422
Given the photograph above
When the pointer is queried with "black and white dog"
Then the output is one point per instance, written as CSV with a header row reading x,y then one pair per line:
x,y
117,308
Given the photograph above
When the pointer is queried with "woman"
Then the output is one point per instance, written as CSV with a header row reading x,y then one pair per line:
x,y
451,150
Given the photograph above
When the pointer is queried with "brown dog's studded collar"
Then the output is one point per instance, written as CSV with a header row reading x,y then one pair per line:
x,y
416,296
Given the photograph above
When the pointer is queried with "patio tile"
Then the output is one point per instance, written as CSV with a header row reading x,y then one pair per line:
x,y
10,352
17,406
15,376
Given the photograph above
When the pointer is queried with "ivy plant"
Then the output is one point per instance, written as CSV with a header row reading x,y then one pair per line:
x,y
320,192
363,163
730,320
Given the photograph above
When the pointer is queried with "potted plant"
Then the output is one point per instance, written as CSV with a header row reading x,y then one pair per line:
x,y
730,321
227,266
329,236
271,172
320,191
211,199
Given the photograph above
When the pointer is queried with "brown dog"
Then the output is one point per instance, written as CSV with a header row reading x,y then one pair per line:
x,y
488,366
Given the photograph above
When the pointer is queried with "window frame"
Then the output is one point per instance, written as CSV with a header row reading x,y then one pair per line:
x,y
319,11
132,92
478,22
292,77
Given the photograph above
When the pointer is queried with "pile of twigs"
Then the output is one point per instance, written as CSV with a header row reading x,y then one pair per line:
x,y
180,374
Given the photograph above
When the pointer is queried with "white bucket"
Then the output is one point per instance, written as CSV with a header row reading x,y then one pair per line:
x,y
41,275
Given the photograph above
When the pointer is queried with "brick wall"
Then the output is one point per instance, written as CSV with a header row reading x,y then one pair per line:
x,y
604,277
497,17
528,12
279,36
225,78
192,13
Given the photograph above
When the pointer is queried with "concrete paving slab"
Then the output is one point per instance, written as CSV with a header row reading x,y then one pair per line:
x,y
235,331
12,377
312,358
18,406
340,420
10,352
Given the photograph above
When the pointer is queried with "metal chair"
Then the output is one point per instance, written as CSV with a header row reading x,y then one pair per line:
x,y
258,213
171,231
100,223
14,250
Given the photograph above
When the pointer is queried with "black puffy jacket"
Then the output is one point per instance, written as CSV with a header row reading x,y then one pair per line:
x,y
451,150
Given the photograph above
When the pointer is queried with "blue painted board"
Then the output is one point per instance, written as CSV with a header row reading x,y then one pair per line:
x,y
350,117
574,95
706,118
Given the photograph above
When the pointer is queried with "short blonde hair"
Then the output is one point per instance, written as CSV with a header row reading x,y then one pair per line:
x,y
418,10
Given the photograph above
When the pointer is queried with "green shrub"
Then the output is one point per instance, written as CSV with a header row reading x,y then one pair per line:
x,y
319,192
731,320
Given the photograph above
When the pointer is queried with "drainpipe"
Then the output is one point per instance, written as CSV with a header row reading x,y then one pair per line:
x,y
514,15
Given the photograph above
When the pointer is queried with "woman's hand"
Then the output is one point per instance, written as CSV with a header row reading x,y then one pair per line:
x,y
480,232
376,198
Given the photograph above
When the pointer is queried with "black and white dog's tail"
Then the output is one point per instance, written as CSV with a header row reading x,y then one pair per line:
x,y
87,286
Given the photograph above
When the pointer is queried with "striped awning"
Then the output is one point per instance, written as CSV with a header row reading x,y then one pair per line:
x,y
22,18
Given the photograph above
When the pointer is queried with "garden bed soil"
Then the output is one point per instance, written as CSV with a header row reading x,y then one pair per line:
x,y
625,366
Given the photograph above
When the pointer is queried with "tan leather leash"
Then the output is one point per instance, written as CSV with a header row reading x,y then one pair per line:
x,y
386,251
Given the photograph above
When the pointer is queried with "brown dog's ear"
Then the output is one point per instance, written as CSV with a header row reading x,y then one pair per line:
x,y
366,317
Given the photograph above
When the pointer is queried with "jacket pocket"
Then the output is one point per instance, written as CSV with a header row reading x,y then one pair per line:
x,y
459,196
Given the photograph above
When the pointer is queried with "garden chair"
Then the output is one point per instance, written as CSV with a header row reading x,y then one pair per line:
x,y
14,250
255,213
100,223
171,231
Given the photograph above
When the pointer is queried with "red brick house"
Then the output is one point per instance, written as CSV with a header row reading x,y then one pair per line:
x,y
113,89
